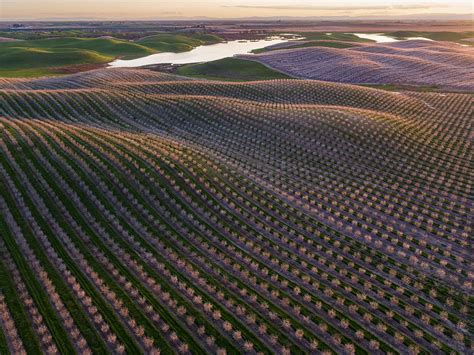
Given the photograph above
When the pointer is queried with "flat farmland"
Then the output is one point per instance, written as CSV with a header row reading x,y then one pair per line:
x,y
144,212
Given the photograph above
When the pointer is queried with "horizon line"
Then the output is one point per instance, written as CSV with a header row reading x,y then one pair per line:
x,y
248,18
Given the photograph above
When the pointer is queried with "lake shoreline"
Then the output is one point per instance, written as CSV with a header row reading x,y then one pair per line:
x,y
201,54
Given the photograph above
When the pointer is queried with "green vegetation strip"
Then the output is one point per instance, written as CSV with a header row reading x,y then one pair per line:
x,y
35,289
435,36
19,314
231,69
305,44
106,310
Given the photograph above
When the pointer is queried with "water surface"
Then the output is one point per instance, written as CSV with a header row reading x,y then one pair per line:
x,y
200,54
381,38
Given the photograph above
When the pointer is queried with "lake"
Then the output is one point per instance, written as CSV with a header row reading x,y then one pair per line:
x,y
201,54
380,38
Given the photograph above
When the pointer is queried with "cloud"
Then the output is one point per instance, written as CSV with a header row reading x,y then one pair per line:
x,y
169,13
338,8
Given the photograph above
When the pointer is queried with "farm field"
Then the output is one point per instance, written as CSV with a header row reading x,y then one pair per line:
x,y
145,212
416,62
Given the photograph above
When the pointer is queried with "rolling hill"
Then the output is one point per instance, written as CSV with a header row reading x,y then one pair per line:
x,y
44,56
144,212
417,62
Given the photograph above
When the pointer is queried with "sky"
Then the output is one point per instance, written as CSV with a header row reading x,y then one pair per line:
x,y
172,9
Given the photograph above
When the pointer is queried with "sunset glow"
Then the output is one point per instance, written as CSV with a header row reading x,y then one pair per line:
x,y
150,9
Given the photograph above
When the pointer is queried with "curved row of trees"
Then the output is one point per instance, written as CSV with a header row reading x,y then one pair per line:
x,y
151,219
